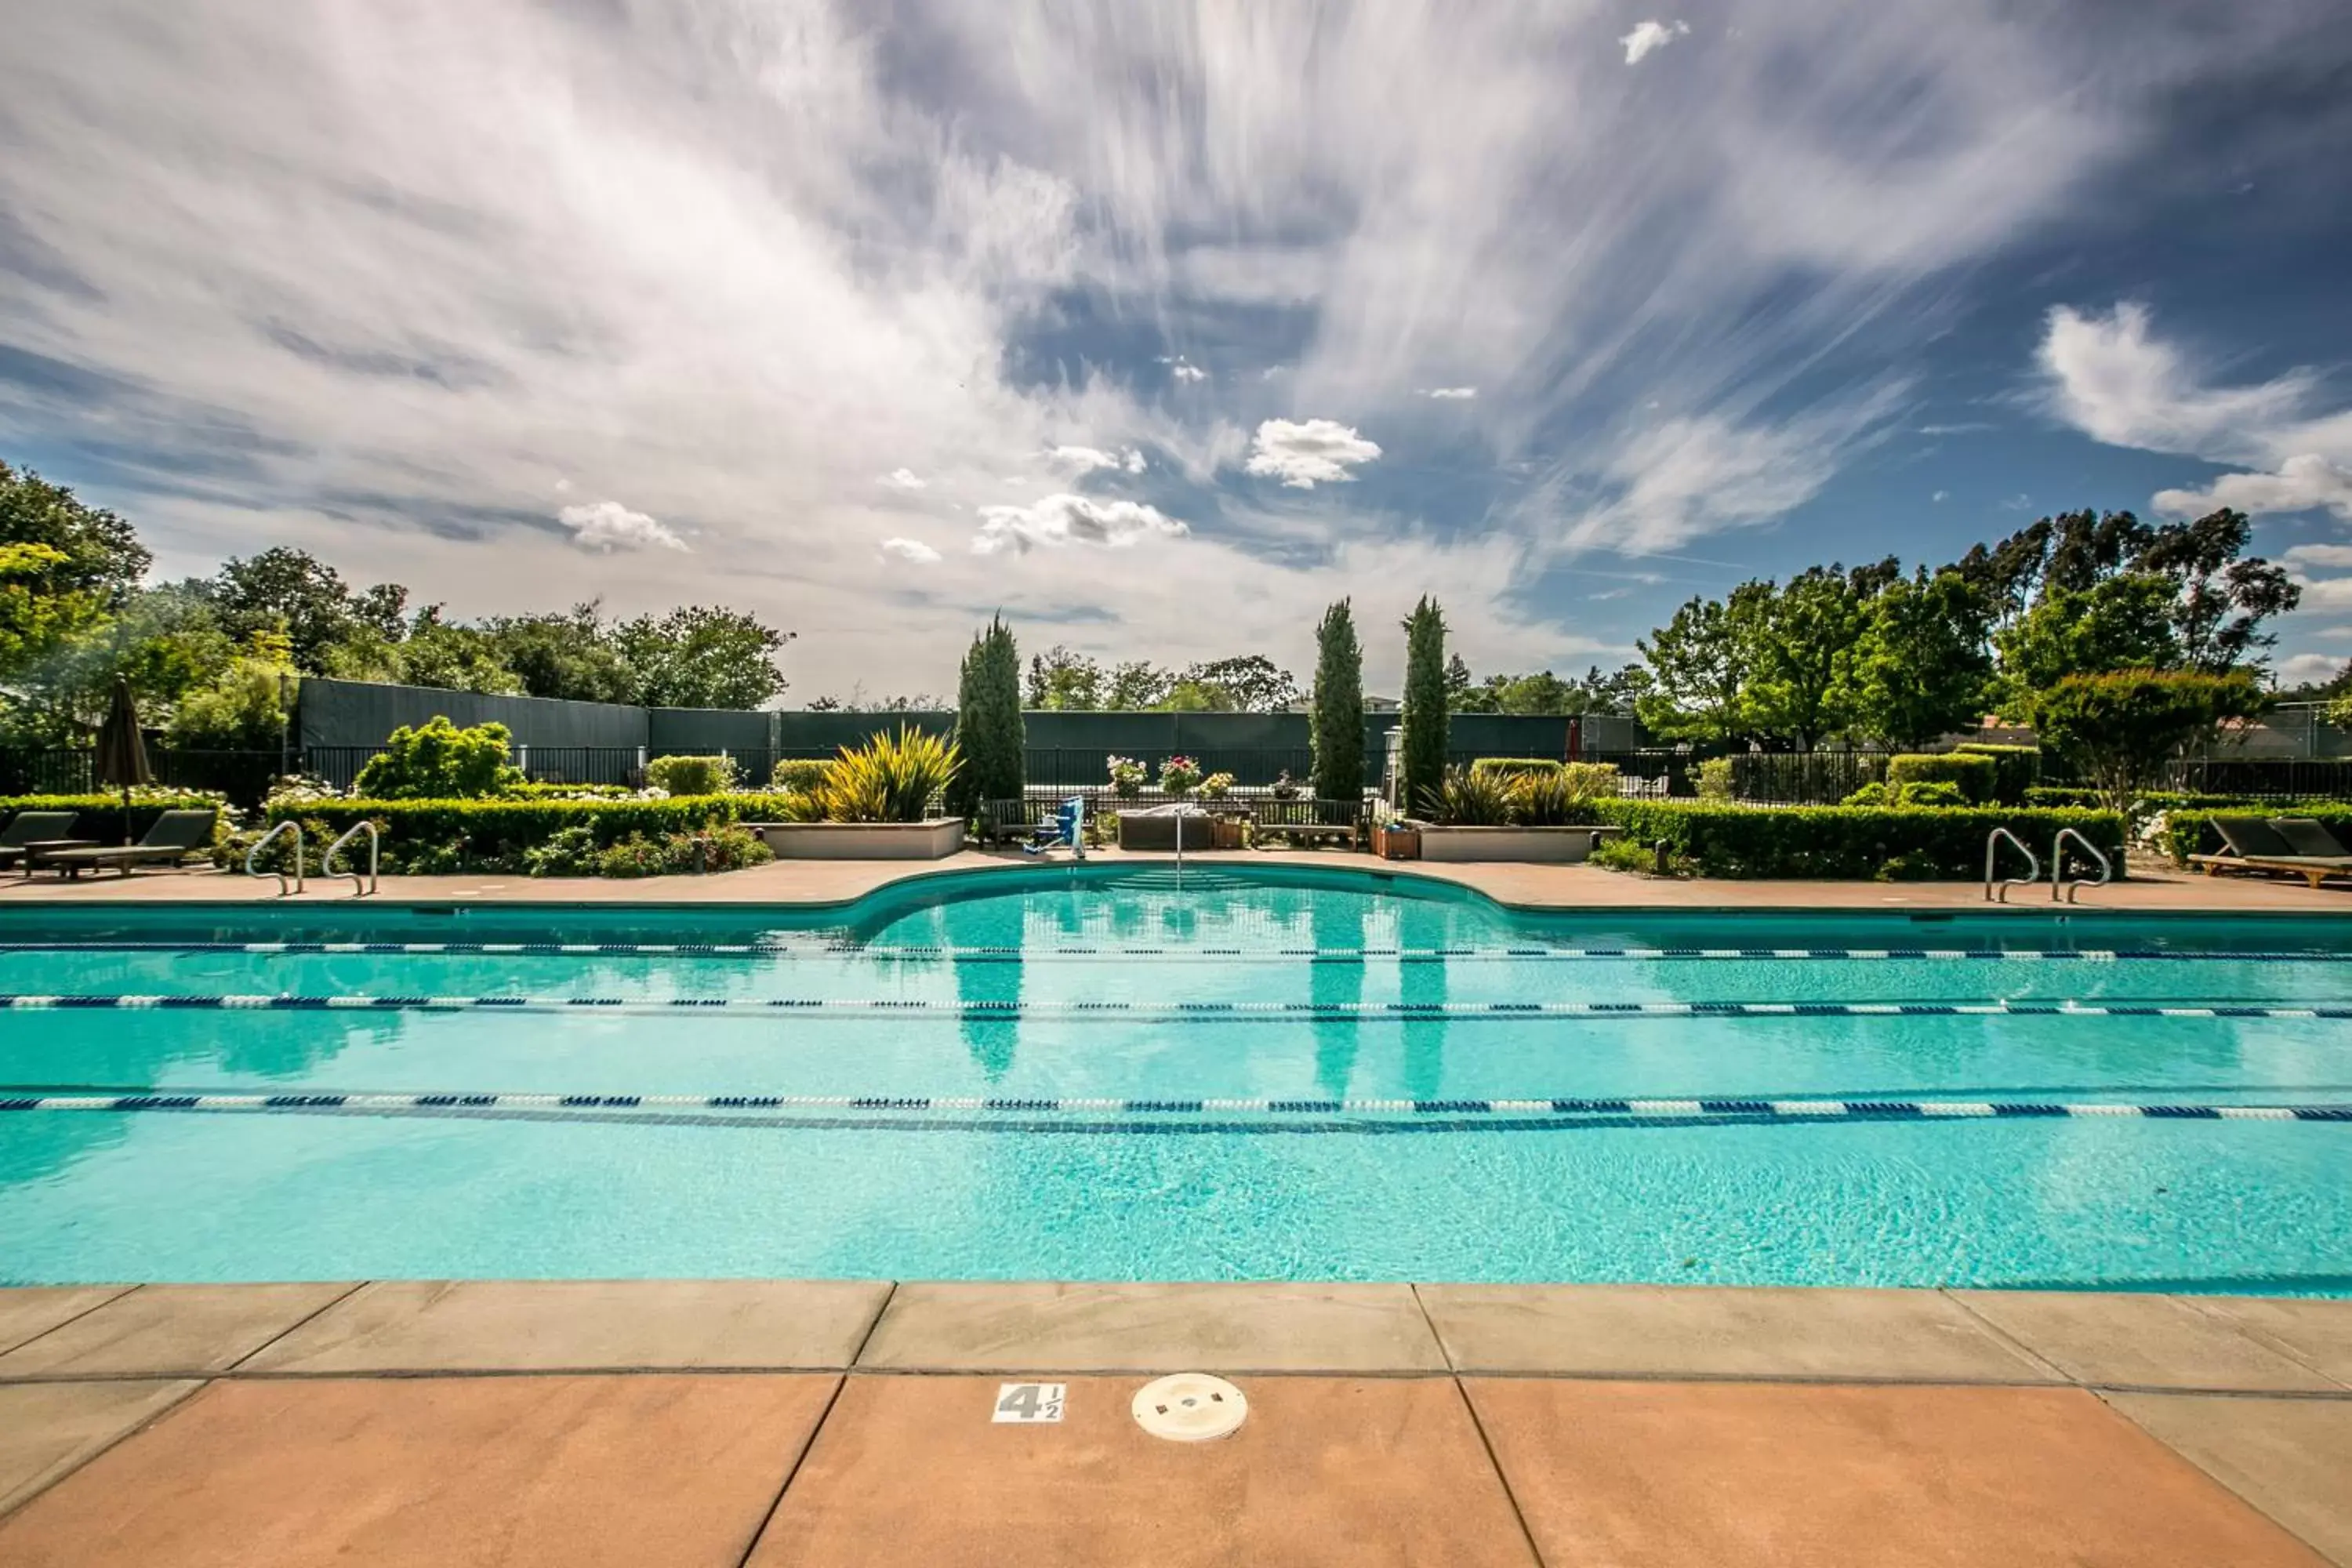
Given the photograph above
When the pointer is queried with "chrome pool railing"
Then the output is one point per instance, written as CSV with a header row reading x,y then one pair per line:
x,y
288,826
361,887
2058,882
1992,849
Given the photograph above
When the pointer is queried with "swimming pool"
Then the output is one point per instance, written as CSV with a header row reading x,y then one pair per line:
x,y
1100,1073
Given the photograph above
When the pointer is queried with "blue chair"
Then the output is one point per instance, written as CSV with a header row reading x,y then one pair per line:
x,y
1067,828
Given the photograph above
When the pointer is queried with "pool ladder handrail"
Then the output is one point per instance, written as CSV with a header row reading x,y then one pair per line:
x,y
2058,882
288,826
376,844
1992,848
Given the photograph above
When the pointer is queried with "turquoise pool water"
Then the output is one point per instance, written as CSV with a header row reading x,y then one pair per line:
x,y
1101,1074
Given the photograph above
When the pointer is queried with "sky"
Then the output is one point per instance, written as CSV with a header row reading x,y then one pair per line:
x,y
1159,326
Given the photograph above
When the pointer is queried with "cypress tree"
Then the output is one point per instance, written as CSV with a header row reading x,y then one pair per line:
x,y
1336,721
1422,764
989,726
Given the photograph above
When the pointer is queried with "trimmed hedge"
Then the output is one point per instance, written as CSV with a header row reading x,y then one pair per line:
x,y
1877,843
449,836
101,814
1972,773
1512,767
2016,769
2187,833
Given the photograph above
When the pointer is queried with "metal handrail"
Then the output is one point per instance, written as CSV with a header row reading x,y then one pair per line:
x,y
288,826
376,844
2058,865
1992,848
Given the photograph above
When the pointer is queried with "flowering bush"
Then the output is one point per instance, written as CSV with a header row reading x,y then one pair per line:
x,y
1216,787
1127,778
1179,774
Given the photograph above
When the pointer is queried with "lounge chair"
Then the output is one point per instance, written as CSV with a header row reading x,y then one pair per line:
x,y
34,827
175,836
2294,844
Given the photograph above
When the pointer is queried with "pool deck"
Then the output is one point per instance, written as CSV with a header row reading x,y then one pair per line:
x,y
777,1423
2152,886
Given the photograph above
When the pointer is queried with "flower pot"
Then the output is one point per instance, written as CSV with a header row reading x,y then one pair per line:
x,y
1394,841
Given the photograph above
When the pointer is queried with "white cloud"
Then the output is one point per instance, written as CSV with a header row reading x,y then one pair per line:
x,y
1941,496
2326,593
1083,460
1649,36
905,479
606,526
911,549
1455,394
2308,668
1304,453
2302,484
1185,370
1059,520
2310,555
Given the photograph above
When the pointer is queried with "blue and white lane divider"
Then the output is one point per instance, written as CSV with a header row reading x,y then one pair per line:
x,y
778,950
1775,1110
977,1008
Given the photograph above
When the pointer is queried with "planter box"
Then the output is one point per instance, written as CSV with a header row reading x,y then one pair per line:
x,y
1152,830
933,840
1396,841
1552,845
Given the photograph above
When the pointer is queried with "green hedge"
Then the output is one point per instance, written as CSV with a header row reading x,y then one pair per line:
x,y
2188,832
2168,800
1972,773
494,834
1512,767
2016,769
1848,841
101,814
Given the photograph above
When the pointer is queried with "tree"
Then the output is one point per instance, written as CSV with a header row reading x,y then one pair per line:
x,y
1336,722
1064,681
294,592
989,732
2223,600
1699,663
569,655
1542,694
1919,669
1616,695
1251,683
455,657
1457,684
97,553
243,709
1800,653
1136,686
702,656
1421,761
2121,623
2119,728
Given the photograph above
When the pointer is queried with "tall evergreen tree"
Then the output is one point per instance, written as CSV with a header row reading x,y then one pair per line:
x,y
989,726
1422,765
1337,720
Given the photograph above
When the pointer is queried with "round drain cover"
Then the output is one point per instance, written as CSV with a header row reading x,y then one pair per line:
x,y
1190,1407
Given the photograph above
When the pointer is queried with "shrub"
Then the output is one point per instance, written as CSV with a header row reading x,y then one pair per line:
x,y
803,773
1715,781
1127,778
2119,729
1562,797
240,711
692,775
564,791
432,836
1591,781
1464,797
1847,841
1216,787
2015,769
1971,773
1935,792
889,778
1179,774
567,852
100,816
1514,766
724,848
437,761
1621,853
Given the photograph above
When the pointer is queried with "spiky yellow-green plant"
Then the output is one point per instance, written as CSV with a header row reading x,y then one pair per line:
x,y
889,779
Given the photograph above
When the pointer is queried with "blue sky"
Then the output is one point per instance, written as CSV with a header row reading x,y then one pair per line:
x,y
1159,326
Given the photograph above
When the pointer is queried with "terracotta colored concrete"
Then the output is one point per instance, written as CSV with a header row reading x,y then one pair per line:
x,y
32,1309
48,1428
561,1471
2292,1458
582,1324
2318,1333
1634,1474
910,1470
1685,1331
171,1329
1209,1327
2153,886
2154,1341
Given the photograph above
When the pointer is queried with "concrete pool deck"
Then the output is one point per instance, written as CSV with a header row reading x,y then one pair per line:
x,y
2153,886
775,1423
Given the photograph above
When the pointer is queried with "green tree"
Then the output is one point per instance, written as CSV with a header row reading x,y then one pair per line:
x,y
1617,694
989,732
702,656
1920,670
1251,683
2119,622
2119,728
1800,655
242,708
1458,686
1190,696
294,592
1336,719
98,552
455,657
1421,762
1062,681
1136,687
569,655
1699,663
1542,694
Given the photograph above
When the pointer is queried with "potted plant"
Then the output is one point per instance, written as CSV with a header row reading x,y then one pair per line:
x,y
1178,774
1216,787
1126,777
1394,838
1285,786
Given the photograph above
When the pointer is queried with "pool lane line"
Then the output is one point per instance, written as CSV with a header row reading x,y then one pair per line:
x,y
916,1105
804,951
287,1002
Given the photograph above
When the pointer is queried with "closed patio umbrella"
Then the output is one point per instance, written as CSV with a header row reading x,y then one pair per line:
x,y
121,751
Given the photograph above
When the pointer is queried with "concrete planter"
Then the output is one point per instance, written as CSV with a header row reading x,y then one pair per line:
x,y
1552,845
932,840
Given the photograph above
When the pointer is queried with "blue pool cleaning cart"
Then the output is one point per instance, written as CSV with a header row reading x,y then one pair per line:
x,y
1068,827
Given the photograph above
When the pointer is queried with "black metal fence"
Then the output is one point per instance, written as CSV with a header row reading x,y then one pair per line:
x,y
243,776
2261,778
